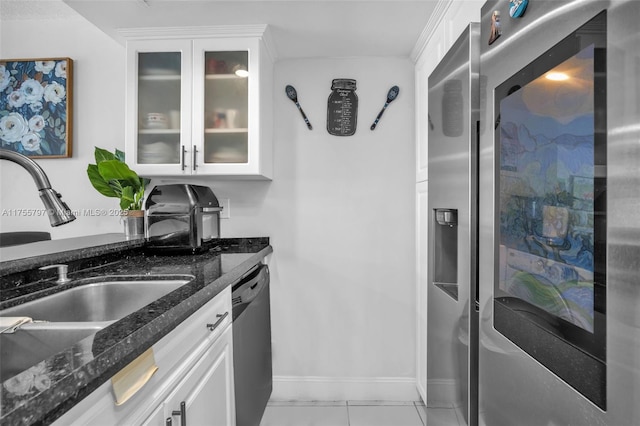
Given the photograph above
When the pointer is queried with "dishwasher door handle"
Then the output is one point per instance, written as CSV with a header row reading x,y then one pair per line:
x,y
242,293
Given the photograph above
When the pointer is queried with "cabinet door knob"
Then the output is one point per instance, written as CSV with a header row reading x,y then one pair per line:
x,y
168,422
182,413
221,318
184,151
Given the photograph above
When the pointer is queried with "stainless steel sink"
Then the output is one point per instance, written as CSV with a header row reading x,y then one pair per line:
x,y
105,299
34,343
73,314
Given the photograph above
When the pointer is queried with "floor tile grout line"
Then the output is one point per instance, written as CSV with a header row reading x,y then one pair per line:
x,y
416,404
379,403
419,416
458,417
306,403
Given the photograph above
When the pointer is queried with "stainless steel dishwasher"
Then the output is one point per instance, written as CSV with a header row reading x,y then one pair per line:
x,y
252,346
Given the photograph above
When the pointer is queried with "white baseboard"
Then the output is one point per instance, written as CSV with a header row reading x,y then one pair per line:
x,y
442,393
422,391
315,388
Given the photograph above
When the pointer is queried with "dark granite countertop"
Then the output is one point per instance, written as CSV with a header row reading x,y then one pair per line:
x,y
47,390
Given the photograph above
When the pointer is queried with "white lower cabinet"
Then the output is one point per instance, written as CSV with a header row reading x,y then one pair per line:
x,y
203,397
195,372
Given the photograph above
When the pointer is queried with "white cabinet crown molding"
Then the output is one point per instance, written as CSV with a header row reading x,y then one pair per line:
x,y
261,31
434,20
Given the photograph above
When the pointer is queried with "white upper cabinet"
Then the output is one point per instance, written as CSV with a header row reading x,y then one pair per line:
x,y
200,104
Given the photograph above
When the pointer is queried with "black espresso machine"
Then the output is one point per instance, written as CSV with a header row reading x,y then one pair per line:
x,y
181,218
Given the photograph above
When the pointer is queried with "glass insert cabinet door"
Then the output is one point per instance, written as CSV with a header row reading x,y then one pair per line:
x,y
226,76
159,107
159,86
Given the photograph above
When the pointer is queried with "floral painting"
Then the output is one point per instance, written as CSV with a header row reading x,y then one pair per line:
x,y
35,106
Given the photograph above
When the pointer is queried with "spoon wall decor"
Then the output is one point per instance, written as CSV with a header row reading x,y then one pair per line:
x,y
293,95
393,93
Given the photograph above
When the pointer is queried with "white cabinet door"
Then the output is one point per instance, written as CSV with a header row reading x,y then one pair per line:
x,y
422,122
205,395
422,241
458,16
159,101
156,418
230,87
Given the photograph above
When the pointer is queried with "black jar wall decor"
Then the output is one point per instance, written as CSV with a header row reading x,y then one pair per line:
x,y
342,107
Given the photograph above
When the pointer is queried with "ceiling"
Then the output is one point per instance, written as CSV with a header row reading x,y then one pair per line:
x,y
299,28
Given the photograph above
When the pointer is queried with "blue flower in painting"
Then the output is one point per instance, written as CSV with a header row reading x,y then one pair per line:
x,y
5,78
32,90
31,141
16,99
45,67
54,93
36,106
13,127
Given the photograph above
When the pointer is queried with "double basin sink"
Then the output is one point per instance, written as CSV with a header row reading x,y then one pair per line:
x,y
63,319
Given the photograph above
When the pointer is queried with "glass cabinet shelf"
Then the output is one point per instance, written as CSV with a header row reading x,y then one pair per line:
x,y
159,131
223,77
151,77
226,130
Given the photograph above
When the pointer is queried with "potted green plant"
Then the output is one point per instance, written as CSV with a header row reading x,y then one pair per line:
x,y
111,177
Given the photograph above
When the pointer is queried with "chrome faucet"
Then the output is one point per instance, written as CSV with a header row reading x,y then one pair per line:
x,y
62,272
58,211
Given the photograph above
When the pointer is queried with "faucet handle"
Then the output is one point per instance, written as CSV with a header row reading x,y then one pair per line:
x,y
62,272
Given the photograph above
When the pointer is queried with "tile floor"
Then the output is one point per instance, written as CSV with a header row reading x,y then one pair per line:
x,y
357,413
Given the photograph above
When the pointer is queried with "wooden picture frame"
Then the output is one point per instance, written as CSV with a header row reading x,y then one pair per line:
x,y
36,106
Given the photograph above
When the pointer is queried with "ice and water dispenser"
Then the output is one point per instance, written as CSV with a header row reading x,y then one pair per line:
x,y
445,253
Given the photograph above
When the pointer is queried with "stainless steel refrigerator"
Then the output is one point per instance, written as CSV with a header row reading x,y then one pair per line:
x,y
452,318
559,214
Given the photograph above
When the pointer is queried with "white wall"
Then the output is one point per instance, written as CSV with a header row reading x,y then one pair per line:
x,y
340,214
98,121
339,211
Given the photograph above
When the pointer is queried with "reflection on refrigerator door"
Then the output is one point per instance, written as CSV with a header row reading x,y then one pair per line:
x,y
452,318
559,336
